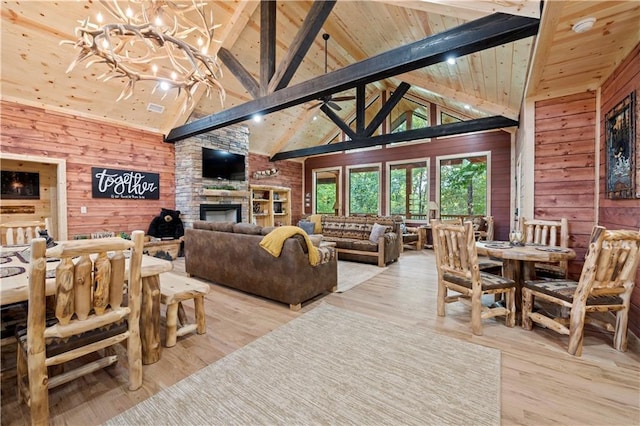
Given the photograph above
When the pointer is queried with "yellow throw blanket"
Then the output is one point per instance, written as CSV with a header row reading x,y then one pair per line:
x,y
274,240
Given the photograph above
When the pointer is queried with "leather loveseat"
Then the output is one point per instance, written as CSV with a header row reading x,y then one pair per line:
x,y
229,254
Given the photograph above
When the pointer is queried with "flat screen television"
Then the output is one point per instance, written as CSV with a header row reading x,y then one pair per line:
x,y
218,164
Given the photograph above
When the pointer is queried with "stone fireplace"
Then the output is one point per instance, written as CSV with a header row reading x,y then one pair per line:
x,y
221,212
191,185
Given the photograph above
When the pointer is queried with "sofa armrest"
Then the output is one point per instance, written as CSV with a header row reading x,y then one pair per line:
x,y
389,247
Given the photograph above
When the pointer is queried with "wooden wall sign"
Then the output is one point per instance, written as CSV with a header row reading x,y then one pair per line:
x,y
124,184
620,149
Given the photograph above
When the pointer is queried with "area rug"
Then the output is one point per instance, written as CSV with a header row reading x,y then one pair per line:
x,y
333,366
351,274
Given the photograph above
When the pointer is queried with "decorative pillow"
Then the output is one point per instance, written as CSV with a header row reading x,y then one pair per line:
x,y
316,219
307,226
316,239
377,231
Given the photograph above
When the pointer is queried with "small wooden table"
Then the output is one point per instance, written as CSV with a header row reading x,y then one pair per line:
x,y
15,288
426,236
519,261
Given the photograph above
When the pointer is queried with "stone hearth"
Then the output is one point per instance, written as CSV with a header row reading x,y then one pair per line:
x,y
190,184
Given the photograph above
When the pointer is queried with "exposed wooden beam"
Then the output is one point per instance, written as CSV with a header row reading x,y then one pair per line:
x,y
338,121
474,36
488,123
386,108
267,43
244,77
303,40
360,108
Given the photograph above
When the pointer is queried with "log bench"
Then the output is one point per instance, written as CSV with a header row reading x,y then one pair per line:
x,y
175,289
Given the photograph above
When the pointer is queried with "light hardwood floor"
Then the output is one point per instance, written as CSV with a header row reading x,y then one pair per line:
x,y
541,383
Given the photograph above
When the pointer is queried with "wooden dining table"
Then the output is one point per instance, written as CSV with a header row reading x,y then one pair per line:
x,y
14,287
518,262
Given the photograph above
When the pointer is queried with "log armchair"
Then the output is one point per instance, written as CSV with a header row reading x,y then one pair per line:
x,y
605,286
459,273
89,316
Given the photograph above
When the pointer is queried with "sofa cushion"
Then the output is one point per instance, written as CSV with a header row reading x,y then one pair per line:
x,y
377,231
266,229
332,226
382,220
214,226
352,244
202,224
247,228
356,227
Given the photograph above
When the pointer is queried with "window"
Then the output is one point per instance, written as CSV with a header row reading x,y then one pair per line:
x,y
408,189
464,185
326,191
364,189
446,118
409,114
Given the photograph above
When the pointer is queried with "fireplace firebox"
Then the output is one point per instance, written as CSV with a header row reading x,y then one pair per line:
x,y
221,212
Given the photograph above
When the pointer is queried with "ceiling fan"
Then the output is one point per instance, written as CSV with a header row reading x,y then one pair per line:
x,y
330,100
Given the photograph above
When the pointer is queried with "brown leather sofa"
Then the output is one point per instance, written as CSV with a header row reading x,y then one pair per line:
x,y
352,236
229,254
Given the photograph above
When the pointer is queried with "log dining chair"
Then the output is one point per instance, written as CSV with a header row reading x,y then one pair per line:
x,y
90,315
605,285
547,233
459,272
22,232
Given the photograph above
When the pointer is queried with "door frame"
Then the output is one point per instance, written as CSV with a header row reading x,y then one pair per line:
x,y
61,187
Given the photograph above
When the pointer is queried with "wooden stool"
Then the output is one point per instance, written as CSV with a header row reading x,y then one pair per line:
x,y
174,289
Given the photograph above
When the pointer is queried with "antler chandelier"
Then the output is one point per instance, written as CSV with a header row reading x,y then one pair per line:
x,y
162,41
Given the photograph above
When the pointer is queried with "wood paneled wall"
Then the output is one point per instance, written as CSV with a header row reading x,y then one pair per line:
x,y
564,170
498,142
622,214
86,143
289,175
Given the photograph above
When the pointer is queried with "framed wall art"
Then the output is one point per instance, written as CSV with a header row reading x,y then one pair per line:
x,y
620,141
20,185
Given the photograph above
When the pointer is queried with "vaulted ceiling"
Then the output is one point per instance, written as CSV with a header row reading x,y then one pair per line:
x,y
487,83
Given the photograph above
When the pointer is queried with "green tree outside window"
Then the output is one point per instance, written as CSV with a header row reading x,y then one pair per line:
x,y
364,190
463,186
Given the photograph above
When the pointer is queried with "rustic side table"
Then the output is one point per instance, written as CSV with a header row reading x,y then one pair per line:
x,y
164,249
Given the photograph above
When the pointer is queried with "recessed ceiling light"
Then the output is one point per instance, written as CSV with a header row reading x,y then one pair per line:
x,y
583,25
257,118
467,107
451,60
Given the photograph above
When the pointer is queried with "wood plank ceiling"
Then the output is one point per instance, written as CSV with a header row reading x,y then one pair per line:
x,y
488,83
